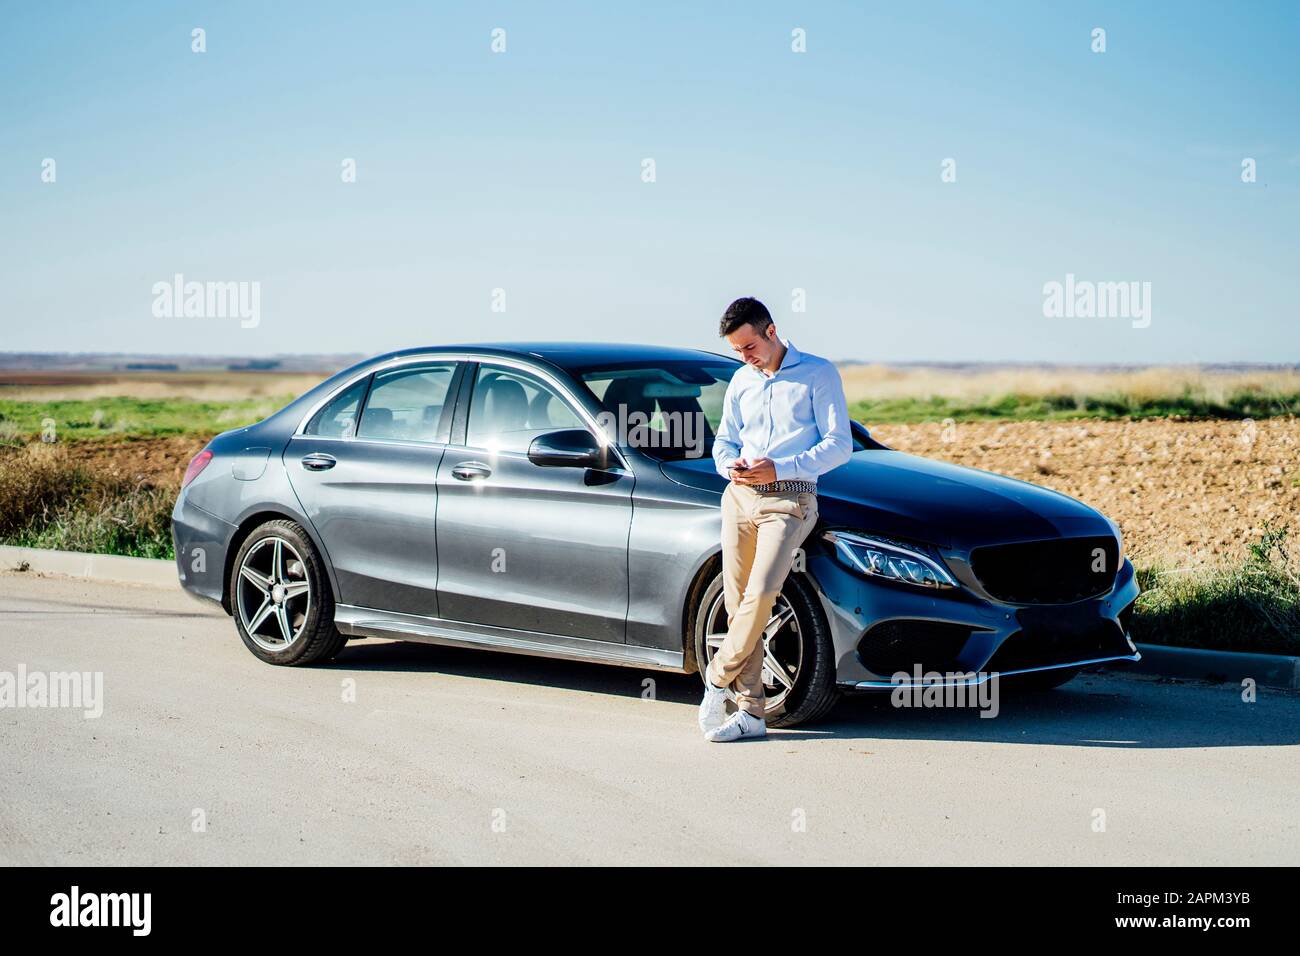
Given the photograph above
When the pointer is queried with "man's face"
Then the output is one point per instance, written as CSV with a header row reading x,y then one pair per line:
x,y
754,349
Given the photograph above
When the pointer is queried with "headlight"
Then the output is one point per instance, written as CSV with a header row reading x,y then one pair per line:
x,y
892,560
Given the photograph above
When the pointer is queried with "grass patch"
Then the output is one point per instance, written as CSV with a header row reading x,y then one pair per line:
x,y
48,501
1017,406
1253,607
118,417
124,417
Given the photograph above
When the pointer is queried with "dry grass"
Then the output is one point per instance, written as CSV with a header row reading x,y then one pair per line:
x,y
1212,522
1252,606
973,383
48,499
192,386
1186,494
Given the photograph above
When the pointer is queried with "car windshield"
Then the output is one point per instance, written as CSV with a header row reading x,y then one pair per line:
x,y
668,409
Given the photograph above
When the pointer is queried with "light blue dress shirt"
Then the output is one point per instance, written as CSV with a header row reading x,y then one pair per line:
x,y
797,416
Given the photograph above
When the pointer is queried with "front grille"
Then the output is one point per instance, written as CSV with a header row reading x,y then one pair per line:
x,y
1048,572
893,646
1043,647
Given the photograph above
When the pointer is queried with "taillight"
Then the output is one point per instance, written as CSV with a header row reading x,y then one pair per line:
x,y
197,464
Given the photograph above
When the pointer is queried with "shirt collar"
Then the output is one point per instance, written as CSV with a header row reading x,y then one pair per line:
x,y
792,355
790,358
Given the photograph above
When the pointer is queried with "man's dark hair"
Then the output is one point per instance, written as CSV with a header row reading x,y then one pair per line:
x,y
745,311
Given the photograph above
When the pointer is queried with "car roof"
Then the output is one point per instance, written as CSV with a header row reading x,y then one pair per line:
x,y
572,354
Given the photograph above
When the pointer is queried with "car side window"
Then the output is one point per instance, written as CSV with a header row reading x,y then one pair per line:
x,y
338,419
510,408
410,404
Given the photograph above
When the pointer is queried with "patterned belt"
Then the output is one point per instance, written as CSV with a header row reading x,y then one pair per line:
x,y
789,484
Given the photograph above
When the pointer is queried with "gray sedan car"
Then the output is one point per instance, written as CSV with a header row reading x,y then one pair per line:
x,y
560,499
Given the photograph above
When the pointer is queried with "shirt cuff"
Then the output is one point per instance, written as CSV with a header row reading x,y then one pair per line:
x,y
785,468
721,464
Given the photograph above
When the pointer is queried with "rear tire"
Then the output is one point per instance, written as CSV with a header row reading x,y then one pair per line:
x,y
810,649
280,597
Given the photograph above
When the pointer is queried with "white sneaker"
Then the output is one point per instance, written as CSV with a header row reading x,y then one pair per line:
x,y
741,725
713,709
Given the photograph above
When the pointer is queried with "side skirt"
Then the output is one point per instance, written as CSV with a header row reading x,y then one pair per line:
x,y
367,622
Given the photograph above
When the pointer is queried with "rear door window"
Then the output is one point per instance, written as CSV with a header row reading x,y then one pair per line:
x,y
410,404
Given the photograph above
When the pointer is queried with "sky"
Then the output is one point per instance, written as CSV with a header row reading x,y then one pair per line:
x,y
504,195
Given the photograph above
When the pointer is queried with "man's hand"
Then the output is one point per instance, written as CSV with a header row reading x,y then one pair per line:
x,y
760,471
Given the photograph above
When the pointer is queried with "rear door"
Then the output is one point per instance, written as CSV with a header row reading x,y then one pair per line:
x,y
365,470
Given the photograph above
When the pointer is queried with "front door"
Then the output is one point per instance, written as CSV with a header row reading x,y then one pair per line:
x,y
525,546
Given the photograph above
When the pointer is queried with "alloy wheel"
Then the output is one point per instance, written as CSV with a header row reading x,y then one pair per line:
x,y
782,646
274,595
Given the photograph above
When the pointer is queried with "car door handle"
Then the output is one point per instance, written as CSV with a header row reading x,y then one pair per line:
x,y
469,470
319,461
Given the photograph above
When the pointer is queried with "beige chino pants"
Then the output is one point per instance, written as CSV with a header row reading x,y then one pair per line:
x,y
761,532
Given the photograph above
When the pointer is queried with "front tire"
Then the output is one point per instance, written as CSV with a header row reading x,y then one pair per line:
x,y
799,677
281,599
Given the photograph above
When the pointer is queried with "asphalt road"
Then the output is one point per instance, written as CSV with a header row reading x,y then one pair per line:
x,y
455,756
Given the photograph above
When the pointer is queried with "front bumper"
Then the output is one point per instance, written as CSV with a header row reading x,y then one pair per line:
x,y
967,637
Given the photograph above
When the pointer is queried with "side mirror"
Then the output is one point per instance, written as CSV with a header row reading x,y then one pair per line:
x,y
568,448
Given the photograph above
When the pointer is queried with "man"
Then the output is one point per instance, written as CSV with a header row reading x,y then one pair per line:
x,y
784,422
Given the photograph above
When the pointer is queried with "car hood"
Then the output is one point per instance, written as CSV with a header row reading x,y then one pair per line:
x,y
906,496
